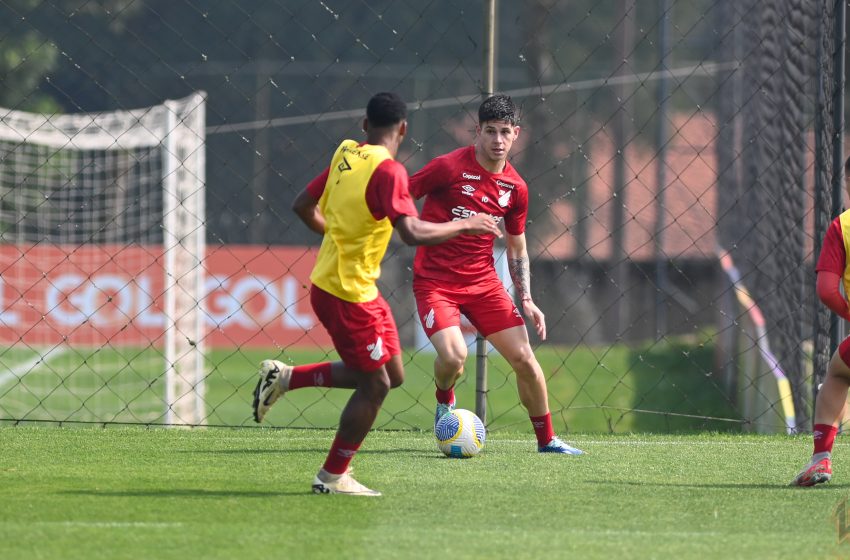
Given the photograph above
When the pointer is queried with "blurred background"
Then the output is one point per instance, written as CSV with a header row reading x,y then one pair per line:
x,y
684,159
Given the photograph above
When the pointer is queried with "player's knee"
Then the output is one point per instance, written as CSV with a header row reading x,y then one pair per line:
x,y
454,361
376,385
522,360
395,372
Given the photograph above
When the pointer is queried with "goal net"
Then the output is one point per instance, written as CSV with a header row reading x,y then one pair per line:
x,y
101,240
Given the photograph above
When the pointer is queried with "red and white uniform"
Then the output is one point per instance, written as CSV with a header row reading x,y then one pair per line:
x,y
459,274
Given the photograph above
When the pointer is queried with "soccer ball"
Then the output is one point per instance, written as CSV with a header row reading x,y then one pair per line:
x,y
460,433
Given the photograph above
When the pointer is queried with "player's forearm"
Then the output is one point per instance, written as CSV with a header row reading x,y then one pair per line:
x,y
520,271
414,231
307,209
830,294
314,220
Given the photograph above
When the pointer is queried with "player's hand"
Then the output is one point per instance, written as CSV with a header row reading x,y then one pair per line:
x,y
531,311
482,224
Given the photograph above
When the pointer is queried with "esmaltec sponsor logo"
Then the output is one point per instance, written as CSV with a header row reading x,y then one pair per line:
x,y
461,212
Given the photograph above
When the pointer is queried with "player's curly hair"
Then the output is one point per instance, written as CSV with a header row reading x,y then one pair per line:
x,y
498,108
386,109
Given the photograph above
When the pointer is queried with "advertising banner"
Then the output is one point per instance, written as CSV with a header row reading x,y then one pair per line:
x,y
252,296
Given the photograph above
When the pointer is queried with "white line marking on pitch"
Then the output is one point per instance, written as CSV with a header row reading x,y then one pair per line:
x,y
114,524
21,369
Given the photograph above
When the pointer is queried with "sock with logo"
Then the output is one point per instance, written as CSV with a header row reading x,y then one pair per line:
x,y
543,428
446,396
340,455
824,436
311,375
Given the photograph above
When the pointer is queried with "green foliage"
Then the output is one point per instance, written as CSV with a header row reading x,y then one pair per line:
x,y
223,493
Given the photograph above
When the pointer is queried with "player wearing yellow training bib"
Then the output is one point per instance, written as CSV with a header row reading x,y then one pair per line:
x,y
833,270
355,204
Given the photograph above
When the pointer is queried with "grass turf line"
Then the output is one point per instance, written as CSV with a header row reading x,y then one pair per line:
x,y
227,493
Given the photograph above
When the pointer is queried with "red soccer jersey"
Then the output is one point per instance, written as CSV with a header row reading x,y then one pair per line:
x,y
387,193
832,254
458,187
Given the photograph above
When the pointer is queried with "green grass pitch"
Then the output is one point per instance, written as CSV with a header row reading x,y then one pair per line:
x,y
214,493
591,389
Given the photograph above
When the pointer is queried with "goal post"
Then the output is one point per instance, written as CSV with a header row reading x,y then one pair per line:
x,y
102,238
184,245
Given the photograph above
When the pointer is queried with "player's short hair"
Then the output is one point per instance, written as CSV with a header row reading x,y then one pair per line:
x,y
386,109
498,108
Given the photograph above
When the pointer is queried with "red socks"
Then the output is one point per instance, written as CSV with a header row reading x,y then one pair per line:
x,y
543,428
446,396
340,455
311,375
824,436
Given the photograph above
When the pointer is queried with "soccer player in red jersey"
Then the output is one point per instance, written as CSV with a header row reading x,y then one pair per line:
x,y
832,268
459,276
355,204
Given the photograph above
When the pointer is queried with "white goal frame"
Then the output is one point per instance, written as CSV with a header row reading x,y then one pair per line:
x,y
177,127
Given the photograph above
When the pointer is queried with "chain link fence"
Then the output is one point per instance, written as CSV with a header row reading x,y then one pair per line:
x,y
682,159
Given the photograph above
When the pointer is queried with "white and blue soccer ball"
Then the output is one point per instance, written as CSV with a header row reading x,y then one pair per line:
x,y
460,433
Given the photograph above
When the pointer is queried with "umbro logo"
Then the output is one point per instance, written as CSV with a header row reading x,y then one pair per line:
x,y
468,190
344,165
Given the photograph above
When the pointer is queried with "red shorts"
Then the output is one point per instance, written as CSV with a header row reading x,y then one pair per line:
x,y
364,334
486,304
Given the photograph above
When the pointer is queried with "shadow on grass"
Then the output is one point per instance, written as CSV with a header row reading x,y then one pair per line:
x,y
183,493
743,486
407,452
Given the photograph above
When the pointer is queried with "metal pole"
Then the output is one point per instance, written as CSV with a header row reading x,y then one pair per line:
x,y
488,83
661,174
836,330
838,129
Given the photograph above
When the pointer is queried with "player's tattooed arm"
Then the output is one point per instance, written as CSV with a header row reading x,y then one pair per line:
x,y
520,271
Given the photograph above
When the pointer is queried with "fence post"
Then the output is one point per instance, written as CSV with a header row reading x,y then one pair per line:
x,y
488,83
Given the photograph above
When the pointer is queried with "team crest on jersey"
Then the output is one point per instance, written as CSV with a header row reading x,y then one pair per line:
x,y
504,198
376,351
468,190
429,319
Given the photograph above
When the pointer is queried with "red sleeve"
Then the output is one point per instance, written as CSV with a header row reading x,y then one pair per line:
x,y
830,294
316,187
427,179
387,193
832,255
516,216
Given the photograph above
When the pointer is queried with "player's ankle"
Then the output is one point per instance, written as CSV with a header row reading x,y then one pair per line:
x,y
821,456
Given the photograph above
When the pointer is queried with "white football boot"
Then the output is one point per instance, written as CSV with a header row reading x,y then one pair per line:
x,y
327,483
274,381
